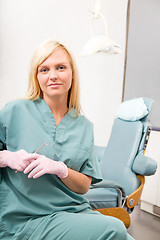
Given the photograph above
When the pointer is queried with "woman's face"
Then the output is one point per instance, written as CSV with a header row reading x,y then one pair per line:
x,y
55,75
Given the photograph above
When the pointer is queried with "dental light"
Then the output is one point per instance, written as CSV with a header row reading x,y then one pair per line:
x,y
99,43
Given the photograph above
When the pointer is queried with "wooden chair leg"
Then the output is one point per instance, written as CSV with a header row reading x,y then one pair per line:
x,y
117,212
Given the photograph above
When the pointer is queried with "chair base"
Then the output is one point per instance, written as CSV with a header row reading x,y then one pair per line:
x,y
117,212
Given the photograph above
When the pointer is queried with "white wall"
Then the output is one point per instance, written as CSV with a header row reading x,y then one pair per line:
x,y
151,193
26,23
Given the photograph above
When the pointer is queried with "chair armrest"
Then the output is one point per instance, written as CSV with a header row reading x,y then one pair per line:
x,y
109,184
144,165
99,152
134,198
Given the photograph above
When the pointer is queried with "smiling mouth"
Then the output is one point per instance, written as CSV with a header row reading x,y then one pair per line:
x,y
54,85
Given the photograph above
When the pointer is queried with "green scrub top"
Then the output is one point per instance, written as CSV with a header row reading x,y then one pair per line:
x,y
26,124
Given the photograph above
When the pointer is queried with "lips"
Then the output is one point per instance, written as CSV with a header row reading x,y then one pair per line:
x,y
54,85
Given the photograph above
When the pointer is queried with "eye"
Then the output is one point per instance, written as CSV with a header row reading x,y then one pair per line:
x,y
61,67
44,70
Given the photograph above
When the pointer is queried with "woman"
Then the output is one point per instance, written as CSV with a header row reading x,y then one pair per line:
x,y
50,159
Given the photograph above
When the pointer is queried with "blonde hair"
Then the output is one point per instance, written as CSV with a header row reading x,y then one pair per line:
x,y
39,56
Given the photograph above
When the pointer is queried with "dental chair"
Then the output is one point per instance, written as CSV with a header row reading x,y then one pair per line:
x,y
123,163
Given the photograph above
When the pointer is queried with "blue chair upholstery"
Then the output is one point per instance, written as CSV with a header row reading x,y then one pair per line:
x,y
120,161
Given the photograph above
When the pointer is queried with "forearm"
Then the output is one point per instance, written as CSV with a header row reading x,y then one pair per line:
x,y
77,182
40,165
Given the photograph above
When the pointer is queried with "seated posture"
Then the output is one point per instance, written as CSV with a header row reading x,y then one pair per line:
x,y
48,160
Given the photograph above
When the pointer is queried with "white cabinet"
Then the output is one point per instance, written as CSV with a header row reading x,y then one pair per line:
x,y
150,200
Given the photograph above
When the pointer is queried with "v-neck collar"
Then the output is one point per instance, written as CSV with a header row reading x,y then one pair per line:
x,y
46,111
58,133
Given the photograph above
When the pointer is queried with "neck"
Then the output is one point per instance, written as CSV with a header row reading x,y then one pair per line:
x,y
58,107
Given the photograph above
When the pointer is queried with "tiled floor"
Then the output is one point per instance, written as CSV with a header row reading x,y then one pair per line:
x,y
144,226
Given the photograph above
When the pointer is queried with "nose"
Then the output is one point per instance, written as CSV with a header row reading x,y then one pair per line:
x,y
53,74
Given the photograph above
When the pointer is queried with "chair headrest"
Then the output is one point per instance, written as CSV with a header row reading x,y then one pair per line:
x,y
134,109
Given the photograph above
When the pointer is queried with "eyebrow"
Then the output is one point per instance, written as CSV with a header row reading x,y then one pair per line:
x,y
60,63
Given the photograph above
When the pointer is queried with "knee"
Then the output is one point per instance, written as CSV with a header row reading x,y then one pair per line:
x,y
118,230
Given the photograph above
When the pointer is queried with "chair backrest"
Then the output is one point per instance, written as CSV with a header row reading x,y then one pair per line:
x,y
127,139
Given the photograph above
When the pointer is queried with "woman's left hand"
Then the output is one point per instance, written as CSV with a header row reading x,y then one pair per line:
x,y
41,165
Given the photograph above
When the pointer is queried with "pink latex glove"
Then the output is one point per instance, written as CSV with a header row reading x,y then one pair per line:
x,y
14,160
41,165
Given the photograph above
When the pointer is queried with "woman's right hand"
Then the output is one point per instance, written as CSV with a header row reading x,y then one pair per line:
x,y
14,160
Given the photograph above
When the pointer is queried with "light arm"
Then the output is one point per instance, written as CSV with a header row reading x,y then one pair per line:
x,y
77,182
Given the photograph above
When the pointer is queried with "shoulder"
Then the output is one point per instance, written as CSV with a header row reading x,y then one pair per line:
x,y
16,104
84,120
14,109
82,124
80,118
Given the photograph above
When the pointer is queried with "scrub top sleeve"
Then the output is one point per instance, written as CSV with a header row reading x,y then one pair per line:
x,y
2,132
5,120
2,142
92,166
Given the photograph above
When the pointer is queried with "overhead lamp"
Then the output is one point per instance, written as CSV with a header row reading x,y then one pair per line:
x,y
99,43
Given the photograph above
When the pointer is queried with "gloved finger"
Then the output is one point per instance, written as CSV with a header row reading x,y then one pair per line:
x,y
26,162
31,157
22,166
32,165
18,168
39,174
22,151
35,171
